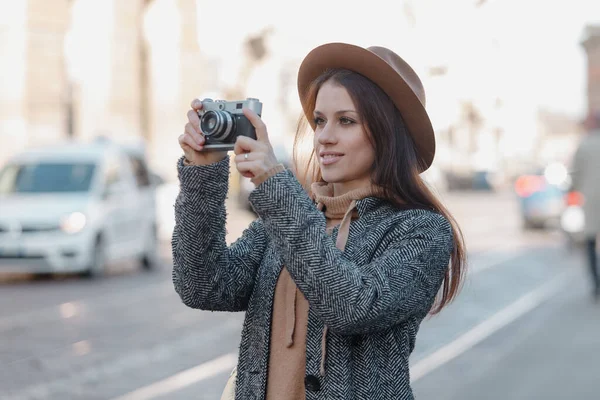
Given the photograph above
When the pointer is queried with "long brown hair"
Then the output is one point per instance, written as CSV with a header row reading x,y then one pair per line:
x,y
396,167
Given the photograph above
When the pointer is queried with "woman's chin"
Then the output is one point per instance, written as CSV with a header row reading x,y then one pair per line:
x,y
330,178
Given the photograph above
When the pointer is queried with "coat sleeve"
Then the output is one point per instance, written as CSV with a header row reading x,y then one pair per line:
x,y
208,274
349,299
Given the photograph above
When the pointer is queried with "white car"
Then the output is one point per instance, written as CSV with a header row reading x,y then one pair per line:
x,y
76,208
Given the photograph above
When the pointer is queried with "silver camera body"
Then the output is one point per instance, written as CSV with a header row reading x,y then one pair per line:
x,y
223,121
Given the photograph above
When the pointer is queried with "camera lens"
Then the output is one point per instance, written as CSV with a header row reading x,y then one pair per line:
x,y
211,123
217,124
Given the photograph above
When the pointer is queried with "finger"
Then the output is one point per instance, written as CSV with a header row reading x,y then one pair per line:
x,y
194,119
190,130
244,144
188,140
242,158
259,125
246,168
196,105
187,151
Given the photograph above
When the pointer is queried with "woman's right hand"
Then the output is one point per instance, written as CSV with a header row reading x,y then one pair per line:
x,y
192,140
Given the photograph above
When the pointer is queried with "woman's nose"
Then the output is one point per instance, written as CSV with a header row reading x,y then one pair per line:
x,y
327,135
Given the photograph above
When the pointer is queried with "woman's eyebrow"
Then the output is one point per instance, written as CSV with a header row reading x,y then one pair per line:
x,y
317,112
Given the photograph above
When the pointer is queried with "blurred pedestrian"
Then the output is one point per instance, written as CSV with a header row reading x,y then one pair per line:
x,y
346,257
586,180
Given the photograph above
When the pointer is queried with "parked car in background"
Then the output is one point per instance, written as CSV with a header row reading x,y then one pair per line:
x,y
541,195
76,208
546,201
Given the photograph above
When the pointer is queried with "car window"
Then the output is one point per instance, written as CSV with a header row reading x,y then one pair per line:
x,y
46,177
140,171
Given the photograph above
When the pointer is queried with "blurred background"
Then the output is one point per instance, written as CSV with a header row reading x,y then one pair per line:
x,y
94,93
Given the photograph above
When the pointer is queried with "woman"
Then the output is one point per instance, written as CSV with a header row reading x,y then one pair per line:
x,y
335,276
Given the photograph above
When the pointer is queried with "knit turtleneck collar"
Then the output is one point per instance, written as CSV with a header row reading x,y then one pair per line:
x,y
336,206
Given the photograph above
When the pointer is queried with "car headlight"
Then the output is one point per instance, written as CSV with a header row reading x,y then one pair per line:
x,y
573,219
73,223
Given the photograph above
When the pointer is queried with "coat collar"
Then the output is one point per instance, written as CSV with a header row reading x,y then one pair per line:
x,y
369,204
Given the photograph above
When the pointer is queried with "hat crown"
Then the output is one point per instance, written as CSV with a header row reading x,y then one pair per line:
x,y
403,69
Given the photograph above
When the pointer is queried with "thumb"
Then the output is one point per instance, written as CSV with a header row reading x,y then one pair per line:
x,y
259,125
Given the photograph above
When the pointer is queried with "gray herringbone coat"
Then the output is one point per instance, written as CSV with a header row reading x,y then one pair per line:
x,y
372,296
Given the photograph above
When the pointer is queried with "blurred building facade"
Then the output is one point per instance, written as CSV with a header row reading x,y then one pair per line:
x,y
128,70
83,68
33,78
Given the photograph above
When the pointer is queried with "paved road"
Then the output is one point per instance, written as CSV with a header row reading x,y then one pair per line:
x,y
129,335
551,353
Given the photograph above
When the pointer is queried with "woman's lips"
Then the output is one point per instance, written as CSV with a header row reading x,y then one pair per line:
x,y
329,159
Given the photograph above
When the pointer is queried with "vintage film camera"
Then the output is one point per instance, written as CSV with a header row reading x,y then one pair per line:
x,y
222,122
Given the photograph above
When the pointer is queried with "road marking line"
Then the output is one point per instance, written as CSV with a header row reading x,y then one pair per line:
x,y
493,324
183,378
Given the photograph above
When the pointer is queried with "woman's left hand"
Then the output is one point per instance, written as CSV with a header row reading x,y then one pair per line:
x,y
254,157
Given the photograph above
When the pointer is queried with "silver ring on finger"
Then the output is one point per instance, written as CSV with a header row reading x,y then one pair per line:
x,y
245,156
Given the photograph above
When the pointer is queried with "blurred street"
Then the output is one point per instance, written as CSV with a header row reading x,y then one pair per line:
x,y
524,326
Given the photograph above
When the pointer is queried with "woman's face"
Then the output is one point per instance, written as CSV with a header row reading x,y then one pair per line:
x,y
342,146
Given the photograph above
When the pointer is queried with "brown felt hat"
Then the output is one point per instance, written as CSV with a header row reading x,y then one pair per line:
x,y
388,71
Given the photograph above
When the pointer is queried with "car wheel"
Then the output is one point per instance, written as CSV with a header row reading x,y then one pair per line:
x,y
97,267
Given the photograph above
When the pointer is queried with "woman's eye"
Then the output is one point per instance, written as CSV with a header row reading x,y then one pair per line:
x,y
346,121
318,121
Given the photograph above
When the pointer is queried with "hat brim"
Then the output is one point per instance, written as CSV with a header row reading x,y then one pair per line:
x,y
373,67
